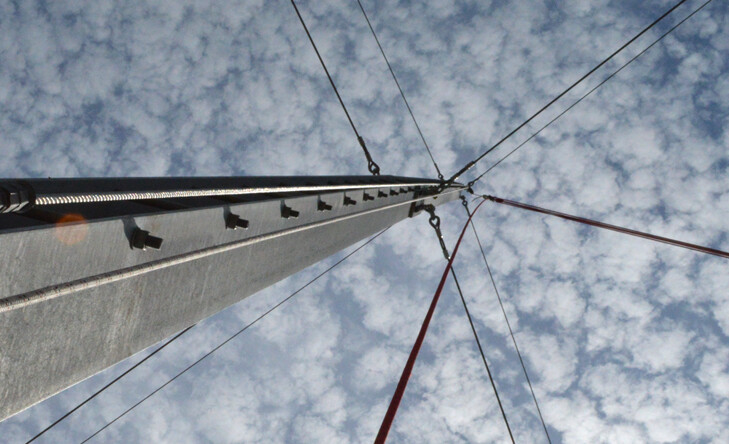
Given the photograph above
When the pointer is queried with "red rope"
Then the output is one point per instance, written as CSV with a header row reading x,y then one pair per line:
x,y
400,390
599,224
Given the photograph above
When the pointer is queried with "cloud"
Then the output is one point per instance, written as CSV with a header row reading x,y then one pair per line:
x,y
625,340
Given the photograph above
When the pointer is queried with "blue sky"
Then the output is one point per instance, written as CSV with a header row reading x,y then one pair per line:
x,y
626,341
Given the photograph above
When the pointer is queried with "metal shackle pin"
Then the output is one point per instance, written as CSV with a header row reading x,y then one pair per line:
x,y
141,239
233,222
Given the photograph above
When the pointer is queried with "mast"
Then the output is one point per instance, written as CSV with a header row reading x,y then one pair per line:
x,y
95,270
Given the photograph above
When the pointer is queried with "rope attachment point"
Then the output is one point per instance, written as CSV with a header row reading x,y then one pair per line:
x,y
434,222
464,202
371,165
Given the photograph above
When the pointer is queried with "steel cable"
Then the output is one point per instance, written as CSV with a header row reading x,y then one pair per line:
x,y
592,90
511,332
112,382
435,223
371,165
483,356
413,356
572,86
402,94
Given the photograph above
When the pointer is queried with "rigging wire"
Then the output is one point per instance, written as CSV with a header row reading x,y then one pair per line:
x,y
594,223
508,324
592,90
408,369
435,223
112,382
483,356
402,94
219,346
472,163
371,165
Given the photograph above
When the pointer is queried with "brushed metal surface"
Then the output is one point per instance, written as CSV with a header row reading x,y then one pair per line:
x,y
48,346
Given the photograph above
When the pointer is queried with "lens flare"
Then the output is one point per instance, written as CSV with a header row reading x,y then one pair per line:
x,y
71,229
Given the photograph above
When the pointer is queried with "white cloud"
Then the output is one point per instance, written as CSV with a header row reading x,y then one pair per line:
x,y
625,340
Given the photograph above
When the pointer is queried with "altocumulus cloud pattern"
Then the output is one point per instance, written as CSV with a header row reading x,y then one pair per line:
x,y
626,341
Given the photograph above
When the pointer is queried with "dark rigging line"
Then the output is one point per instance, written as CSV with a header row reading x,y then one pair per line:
x,y
508,324
371,165
216,348
435,223
413,356
472,163
112,382
591,91
483,356
402,94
